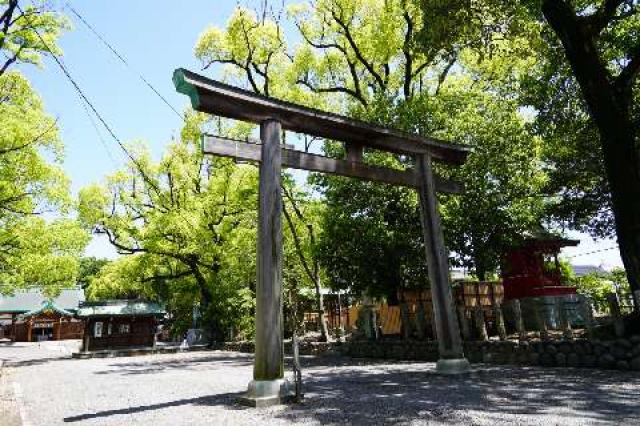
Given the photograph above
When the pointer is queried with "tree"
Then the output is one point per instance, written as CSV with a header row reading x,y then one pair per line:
x,y
34,251
361,59
601,48
400,85
302,216
27,32
40,253
90,267
255,54
186,224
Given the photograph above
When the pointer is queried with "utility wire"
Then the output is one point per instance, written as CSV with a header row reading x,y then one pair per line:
x,y
99,134
122,59
88,102
592,252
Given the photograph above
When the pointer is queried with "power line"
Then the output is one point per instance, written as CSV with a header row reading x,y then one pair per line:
x,y
88,102
592,252
122,59
99,134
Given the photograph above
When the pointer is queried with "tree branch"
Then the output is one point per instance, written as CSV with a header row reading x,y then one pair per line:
x,y
627,76
356,50
599,20
36,139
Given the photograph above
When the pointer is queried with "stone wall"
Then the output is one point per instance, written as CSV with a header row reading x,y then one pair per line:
x,y
306,348
621,354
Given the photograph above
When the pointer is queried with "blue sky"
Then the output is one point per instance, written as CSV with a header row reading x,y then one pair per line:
x,y
155,37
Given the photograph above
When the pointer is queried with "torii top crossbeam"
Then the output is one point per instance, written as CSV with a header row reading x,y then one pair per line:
x,y
220,99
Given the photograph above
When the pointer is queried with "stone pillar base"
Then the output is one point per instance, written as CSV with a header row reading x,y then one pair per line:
x,y
453,366
265,393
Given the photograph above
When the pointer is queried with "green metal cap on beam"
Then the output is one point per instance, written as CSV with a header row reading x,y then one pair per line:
x,y
183,86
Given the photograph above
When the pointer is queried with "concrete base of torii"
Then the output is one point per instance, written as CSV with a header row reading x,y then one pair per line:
x,y
453,366
265,393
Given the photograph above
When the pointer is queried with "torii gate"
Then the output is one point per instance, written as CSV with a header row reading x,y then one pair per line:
x,y
210,96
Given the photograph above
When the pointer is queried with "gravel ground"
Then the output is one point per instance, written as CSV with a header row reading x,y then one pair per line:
x,y
199,388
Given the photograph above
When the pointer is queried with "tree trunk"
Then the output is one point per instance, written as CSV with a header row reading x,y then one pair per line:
x,y
205,302
324,330
609,104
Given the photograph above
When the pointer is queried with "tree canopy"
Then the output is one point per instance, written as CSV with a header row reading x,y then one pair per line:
x,y
585,88
34,250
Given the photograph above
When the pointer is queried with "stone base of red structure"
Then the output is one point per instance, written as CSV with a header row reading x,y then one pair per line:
x,y
547,308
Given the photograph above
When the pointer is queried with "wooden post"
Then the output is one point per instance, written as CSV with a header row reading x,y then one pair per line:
x,y
407,330
464,323
616,316
354,152
517,314
502,331
565,323
85,335
421,321
481,326
452,358
587,315
374,323
268,364
541,320
268,386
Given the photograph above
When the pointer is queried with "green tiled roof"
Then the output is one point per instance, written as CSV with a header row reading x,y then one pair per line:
x,y
47,305
120,307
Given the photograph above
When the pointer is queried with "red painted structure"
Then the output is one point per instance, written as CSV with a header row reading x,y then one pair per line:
x,y
526,271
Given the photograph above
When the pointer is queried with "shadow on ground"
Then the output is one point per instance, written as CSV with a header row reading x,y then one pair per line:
x,y
343,390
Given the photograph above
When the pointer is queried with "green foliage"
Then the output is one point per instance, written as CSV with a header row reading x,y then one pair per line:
x,y
89,269
596,287
34,251
372,239
361,58
187,226
19,41
518,32
41,253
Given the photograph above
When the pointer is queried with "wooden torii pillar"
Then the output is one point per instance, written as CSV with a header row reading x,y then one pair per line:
x,y
269,385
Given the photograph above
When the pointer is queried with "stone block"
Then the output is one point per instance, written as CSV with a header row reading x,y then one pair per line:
x,y
635,339
453,366
589,361
265,393
635,363
565,348
606,361
547,359
624,343
561,359
619,352
622,365
551,349
599,349
523,358
573,360
534,358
